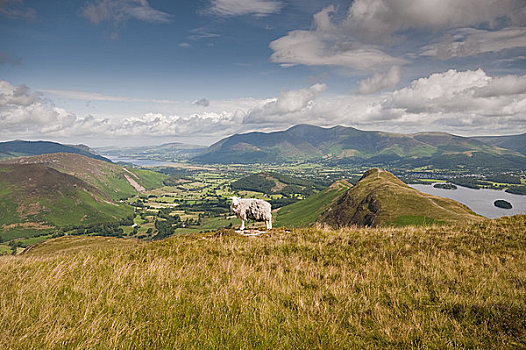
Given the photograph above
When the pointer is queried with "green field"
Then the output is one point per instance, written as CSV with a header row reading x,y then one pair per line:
x,y
430,287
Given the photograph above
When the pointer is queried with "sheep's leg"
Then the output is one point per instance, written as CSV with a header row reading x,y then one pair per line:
x,y
242,225
268,223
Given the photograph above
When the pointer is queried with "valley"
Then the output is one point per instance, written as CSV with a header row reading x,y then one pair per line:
x,y
175,194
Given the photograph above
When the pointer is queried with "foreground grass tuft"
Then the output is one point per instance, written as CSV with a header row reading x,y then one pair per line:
x,y
422,287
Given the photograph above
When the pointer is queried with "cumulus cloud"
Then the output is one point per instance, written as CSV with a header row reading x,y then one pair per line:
x,y
380,82
287,103
378,19
374,35
466,102
120,11
229,8
328,45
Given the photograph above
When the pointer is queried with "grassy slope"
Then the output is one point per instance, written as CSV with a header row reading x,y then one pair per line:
x,y
42,198
380,198
421,287
306,212
109,178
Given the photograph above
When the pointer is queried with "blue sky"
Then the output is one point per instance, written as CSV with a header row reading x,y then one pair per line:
x,y
132,72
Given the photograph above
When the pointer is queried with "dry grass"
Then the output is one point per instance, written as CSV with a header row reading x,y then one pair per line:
x,y
426,287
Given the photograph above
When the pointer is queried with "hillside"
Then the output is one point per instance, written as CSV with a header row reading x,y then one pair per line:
x,y
305,212
514,142
36,198
380,199
416,287
113,180
341,145
20,148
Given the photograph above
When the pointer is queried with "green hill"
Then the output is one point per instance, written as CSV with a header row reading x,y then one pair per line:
x,y
435,287
380,199
113,180
35,199
346,145
20,148
305,212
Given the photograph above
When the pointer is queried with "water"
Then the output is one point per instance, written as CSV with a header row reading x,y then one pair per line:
x,y
138,162
481,200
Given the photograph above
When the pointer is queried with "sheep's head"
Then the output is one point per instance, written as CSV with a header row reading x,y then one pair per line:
x,y
235,201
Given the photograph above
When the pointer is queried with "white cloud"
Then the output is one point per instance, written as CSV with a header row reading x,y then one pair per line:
x,y
328,45
287,103
119,11
374,35
380,82
230,8
470,42
378,19
465,102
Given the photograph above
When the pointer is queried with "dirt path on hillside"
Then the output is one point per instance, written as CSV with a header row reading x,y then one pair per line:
x,y
134,183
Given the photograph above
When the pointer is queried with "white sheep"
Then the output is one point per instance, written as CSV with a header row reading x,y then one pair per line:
x,y
254,209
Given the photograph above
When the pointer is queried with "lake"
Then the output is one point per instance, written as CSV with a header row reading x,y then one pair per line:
x,y
138,162
480,201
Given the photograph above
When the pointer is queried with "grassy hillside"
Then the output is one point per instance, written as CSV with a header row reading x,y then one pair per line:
x,y
417,287
110,178
305,212
35,198
380,198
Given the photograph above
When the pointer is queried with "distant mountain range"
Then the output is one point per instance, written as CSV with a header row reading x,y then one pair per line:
x,y
19,148
513,142
347,145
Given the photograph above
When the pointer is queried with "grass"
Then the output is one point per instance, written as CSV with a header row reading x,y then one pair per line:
x,y
404,220
306,212
413,287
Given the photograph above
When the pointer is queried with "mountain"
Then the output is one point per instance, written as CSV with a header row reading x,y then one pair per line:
x,y
32,148
514,142
380,199
341,145
305,212
35,197
115,181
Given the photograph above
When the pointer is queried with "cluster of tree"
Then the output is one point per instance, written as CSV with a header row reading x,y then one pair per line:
x,y
445,186
469,182
266,183
165,223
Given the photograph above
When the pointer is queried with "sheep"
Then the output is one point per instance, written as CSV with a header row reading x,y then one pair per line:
x,y
254,209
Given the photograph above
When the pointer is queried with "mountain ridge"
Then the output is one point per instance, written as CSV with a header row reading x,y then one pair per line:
x,y
19,148
340,144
